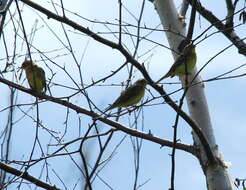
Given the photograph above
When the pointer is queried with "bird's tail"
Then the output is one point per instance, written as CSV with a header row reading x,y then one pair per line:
x,y
165,76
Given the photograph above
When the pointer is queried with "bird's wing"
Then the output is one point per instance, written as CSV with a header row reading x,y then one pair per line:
x,y
125,96
176,64
184,63
130,92
171,71
180,60
41,75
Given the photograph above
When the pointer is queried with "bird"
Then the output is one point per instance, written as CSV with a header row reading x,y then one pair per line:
x,y
35,76
184,64
130,96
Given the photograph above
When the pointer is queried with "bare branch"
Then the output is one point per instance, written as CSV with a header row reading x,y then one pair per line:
x,y
135,63
26,176
229,33
94,115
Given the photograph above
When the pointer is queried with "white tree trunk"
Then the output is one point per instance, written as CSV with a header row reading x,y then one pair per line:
x,y
216,174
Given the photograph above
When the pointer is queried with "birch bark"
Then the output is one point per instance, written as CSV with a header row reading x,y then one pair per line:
x,y
216,175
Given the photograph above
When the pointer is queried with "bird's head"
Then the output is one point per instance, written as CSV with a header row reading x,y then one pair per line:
x,y
141,82
26,64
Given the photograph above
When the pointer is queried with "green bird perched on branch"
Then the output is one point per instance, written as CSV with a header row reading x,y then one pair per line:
x,y
131,95
184,64
35,76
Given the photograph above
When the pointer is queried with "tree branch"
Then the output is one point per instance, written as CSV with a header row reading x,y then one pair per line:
x,y
230,13
26,176
228,32
134,62
130,131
